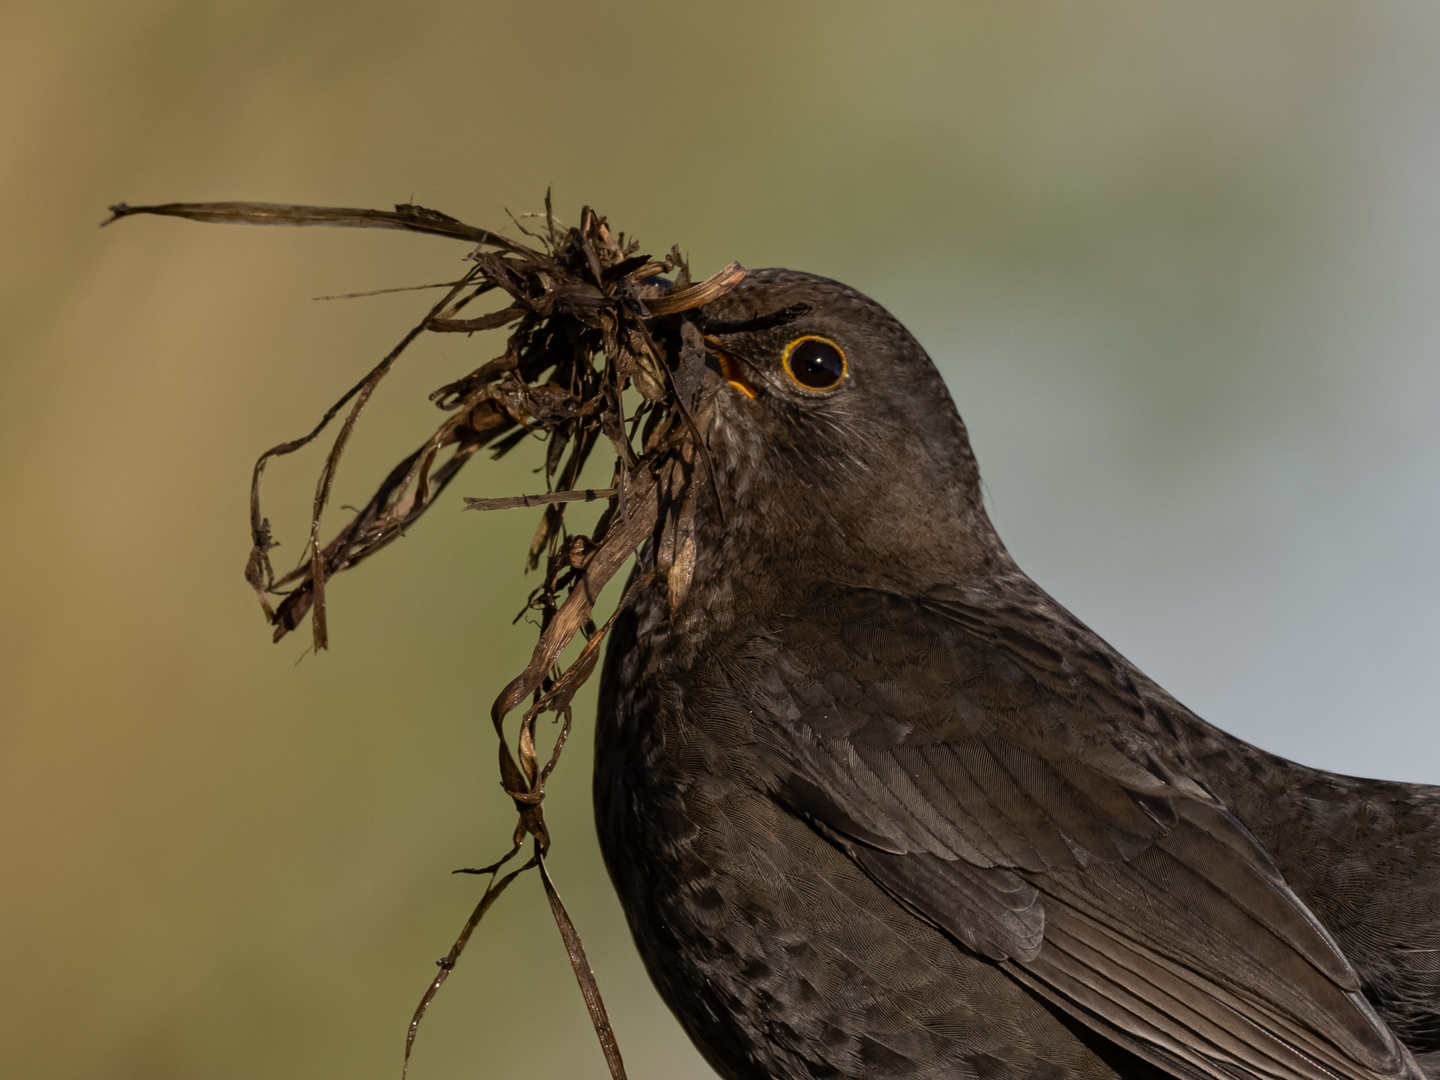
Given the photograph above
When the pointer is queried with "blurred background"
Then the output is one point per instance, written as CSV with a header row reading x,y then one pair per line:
x,y
1179,263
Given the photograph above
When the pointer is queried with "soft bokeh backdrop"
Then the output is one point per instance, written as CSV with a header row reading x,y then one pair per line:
x,y
1179,263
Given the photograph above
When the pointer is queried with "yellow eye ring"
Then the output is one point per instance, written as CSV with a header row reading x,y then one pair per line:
x,y
815,364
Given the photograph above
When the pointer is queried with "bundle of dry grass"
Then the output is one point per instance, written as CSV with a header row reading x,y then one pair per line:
x,y
588,317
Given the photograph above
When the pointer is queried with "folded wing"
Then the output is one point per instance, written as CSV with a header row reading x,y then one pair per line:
x,y
1020,799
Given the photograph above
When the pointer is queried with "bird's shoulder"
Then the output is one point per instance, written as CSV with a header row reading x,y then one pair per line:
x,y
883,671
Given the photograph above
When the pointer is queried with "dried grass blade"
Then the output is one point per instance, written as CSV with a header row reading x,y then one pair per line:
x,y
405,216
332,463
584,975
447,965
699,294
511,502
624,536
259,526
558,697
383,292
483,322
383,519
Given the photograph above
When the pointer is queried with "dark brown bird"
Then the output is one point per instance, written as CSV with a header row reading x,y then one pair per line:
x,y
877,806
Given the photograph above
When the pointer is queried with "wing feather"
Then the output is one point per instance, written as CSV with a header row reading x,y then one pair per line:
x,y
1012,794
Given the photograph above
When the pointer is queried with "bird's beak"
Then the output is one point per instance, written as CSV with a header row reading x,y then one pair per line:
x,y
731,368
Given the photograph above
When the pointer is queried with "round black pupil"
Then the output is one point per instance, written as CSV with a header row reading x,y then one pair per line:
x,y
817,364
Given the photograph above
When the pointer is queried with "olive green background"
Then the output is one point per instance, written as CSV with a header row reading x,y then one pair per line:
x,y
1179,263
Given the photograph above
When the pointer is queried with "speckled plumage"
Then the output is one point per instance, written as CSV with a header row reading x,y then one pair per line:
x,y
876,806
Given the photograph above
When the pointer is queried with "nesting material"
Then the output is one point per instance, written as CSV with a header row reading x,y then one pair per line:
x,y
587,317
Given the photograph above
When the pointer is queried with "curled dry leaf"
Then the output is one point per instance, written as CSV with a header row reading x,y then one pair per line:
x,y
587,317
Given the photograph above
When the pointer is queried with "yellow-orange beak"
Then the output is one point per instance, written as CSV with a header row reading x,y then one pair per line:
x,y
731,368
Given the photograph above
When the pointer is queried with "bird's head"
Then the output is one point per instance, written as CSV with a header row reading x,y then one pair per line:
x,y
833,436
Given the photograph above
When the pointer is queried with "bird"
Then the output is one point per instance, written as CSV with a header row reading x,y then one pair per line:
x,y
877,806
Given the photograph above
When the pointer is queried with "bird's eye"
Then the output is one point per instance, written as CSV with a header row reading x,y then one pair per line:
x,y
815,363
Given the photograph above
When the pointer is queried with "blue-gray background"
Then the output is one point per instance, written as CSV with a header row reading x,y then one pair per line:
x,y
1178,262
